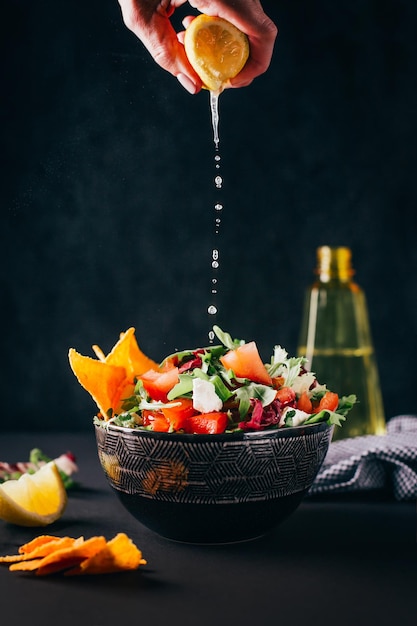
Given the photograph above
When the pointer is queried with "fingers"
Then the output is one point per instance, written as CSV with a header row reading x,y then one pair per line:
x,y
187,20
261,49
261,42
149,21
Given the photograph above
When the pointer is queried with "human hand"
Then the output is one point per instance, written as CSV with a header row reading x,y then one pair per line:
x,y
150,21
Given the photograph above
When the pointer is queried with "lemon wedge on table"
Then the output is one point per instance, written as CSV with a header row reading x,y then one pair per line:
x,y
34,499
216,49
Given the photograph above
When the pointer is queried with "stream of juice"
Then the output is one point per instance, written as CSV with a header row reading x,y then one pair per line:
x,y
213,307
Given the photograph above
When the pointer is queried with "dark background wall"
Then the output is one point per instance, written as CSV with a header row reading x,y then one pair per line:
x,y
107,192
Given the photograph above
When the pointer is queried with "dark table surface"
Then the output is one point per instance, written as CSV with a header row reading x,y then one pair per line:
x,y
334,561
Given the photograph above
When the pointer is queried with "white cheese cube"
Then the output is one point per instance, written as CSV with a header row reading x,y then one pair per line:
x,y
205,398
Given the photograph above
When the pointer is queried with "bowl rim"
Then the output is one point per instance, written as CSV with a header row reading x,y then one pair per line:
x,y
292,431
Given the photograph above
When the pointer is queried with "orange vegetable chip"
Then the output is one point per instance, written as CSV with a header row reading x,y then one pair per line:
x,y
36,542
66,558
103,381
39,547
119,554
63,558
26,566
127,353
110,379
49,555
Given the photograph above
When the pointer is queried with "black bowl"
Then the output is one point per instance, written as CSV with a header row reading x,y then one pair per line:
x,y
212,488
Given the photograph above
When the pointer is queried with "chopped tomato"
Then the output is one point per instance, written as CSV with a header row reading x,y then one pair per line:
x,y
169,418
207,423
177,415
246,363
158,384
156,421
304,403
329,402
285,395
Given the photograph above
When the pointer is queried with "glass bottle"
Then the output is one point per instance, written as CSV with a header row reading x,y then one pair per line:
x,y
335,337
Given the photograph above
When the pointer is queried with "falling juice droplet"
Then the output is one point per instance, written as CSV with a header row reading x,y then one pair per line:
x,y
212,310
218,180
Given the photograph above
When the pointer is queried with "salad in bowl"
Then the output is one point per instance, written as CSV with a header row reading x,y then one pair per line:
x,y
222,388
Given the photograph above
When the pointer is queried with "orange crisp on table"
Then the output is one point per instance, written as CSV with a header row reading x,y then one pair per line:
x,y
40,547
117,555
49,555
110,379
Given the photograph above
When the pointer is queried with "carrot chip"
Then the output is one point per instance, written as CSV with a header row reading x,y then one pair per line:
x,y
68,557
34,549
47,554
36,542
110,379
119,554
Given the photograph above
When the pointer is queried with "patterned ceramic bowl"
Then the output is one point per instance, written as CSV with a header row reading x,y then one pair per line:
x,y
212,488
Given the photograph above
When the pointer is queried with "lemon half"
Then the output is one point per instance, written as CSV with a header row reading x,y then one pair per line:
x,y
34,499
216,49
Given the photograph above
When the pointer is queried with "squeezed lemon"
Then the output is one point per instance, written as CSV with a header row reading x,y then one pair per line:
x,y
216,49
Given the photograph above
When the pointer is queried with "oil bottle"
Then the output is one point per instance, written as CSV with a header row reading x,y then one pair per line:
x,y
336,340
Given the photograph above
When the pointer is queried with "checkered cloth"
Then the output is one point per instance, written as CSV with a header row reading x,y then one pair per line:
x,y
373,462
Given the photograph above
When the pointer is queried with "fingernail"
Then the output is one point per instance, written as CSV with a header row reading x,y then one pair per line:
x,y
187,83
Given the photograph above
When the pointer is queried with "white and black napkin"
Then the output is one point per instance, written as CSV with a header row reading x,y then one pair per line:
x,y
373,462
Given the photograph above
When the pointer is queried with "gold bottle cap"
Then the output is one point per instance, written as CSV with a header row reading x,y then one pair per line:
x,y
334,263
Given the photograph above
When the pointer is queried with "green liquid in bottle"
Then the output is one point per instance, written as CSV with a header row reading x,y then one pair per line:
x,y
335,338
